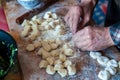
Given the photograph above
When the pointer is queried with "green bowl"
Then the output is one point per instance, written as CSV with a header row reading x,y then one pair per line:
x,y
8,52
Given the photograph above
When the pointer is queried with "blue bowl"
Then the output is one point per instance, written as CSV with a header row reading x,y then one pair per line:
x,y
29,4
8,52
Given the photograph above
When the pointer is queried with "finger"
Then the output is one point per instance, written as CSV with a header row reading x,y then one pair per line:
x,y
75,24
85,20
66,17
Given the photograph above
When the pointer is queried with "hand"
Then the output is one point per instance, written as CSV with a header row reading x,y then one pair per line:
x,y
93,38
79,14
72,17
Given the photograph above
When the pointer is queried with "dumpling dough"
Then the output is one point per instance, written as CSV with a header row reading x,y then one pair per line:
x,y
43,64
50,60
58,67
95,55
71,70
111,70
30,47
46,46
50,70
112,63
62,57
62,72
104,75
68,52
67,63
58,61
102,60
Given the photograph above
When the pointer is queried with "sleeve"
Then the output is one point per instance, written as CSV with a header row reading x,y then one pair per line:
x,y
115,34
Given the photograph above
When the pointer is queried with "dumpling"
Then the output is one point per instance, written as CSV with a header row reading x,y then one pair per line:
x,y
71,70
43,64
62,72
50,70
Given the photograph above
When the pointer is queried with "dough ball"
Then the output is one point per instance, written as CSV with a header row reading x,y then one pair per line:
x,y
50,60
62,57
112,63
58,61
95,55
59,41
62,72
35,32
54,16
52,25
50,70
104,75
43,64
47,15
25,31
54,46
58,67
67,63
40,51
46,46
30,47
71,70
68,52
45,54
111,70
55,53
37,44
102,60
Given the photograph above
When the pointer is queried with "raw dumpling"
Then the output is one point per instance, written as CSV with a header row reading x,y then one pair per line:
x,y
95,55
55,53
67,63
62,72
58,61
102,60
30,47
111,70
37,44
104,75
50,70
68,52
112,63
58,67
43,64
50,60
62,57
54,45
71,70
46,46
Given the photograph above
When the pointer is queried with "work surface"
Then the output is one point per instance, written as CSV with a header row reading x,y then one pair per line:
x,y
87,68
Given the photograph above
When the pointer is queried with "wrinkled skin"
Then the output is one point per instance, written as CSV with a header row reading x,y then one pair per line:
x,y
87,38
93,38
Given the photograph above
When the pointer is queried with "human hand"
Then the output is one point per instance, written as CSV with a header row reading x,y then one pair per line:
x,y
79,14
93,38
72,17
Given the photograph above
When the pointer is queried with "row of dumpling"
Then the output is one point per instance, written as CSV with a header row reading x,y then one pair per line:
x,y
110,65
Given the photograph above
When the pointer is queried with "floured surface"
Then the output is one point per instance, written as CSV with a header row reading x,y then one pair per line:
x,y
87,68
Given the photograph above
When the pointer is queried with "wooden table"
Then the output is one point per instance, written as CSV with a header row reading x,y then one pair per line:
x,y
87,68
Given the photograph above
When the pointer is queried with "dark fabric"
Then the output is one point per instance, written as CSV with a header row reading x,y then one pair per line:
x,y
113,12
